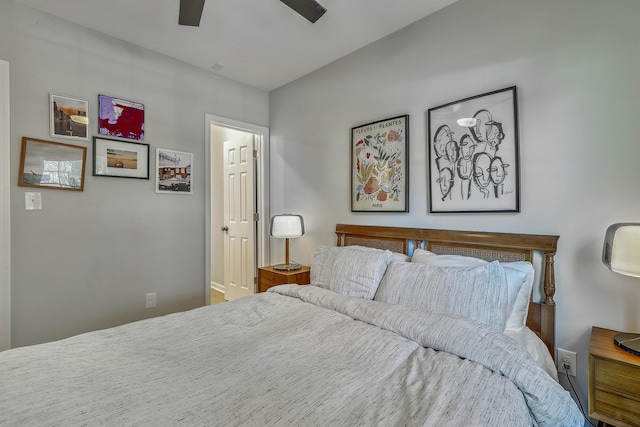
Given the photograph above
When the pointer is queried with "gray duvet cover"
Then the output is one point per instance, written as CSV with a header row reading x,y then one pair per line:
x,y
298,355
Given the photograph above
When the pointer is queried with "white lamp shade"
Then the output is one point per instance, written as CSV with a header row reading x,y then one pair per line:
x,y
621,251
287,226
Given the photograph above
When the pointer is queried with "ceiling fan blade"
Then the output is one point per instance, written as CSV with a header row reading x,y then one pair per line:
x,y
190,12
310,9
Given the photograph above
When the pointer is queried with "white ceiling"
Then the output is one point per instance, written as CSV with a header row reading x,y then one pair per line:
x,y
262,43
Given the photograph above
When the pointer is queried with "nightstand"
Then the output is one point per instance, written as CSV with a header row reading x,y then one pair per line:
x,y
268,277
614,381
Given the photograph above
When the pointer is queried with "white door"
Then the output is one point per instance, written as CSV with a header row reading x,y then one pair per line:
x,y
239,224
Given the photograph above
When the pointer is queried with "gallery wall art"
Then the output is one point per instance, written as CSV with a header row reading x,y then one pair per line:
x,y
120,118
121,159
379,167
68,117
473,154
173,171
53,165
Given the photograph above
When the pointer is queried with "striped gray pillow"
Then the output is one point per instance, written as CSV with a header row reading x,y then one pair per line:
x,y
350,270
478,293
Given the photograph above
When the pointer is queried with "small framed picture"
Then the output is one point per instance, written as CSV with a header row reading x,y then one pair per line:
x,y
173,171
120,159
47,164
120,118
379,166
68,117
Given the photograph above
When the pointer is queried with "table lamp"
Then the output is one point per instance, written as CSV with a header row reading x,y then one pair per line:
x,y
621,253
287,226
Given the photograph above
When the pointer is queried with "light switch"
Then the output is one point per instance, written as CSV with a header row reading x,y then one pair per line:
x,y
33,201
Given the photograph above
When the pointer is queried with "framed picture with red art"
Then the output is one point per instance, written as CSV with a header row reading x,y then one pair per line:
x,y
120,118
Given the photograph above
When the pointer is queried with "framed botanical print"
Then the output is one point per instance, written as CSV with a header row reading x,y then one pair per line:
x,y
473,154
379,166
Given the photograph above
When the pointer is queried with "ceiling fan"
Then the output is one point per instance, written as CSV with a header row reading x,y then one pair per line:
x,y
191,10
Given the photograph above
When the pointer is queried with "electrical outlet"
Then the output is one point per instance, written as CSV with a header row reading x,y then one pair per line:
x,y
566,357
150,301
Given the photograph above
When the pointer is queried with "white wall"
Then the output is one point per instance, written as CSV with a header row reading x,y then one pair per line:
x,y
87,259
576,65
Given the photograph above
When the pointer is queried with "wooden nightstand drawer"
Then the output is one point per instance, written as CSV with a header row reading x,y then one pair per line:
x,y
614,381
622,378
608,402
268,277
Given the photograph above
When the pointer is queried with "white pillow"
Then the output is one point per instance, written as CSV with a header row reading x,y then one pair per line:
x,y
536,348
519,276
426,257
517,318
350,270
399,257
477,293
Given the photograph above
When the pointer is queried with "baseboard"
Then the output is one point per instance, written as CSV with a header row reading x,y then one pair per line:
x,y
217,287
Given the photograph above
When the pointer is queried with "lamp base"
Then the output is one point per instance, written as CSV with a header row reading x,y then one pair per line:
x,y
628,342
287,267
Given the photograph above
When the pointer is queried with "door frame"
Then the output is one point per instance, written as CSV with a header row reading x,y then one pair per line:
x,y
5,201
262,190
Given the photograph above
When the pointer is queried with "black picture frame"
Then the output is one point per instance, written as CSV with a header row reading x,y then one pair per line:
x,y
120,159
380,166
473,154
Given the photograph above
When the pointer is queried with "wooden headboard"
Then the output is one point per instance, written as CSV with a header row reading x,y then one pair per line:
x,y
486,245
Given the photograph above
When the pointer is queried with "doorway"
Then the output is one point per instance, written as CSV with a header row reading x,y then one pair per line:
x,y
218,131
5,224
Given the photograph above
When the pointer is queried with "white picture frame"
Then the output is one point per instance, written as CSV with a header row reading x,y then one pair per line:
x,y
173,171
69,117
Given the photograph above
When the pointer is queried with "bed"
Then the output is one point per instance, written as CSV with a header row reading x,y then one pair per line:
x,y
367,343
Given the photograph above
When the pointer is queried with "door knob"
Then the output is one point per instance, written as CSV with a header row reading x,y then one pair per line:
x,y
225,228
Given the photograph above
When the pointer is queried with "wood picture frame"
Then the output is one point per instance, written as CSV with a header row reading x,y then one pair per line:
x,y
120,159
68,117
473,154
53,165
173,171
379,166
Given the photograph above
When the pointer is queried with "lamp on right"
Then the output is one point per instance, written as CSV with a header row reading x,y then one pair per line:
x,y
621,253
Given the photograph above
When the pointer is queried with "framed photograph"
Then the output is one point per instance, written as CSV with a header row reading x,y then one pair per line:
x,y
120,159
173,171
47,164
473,154
68,117
379,166
120,118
